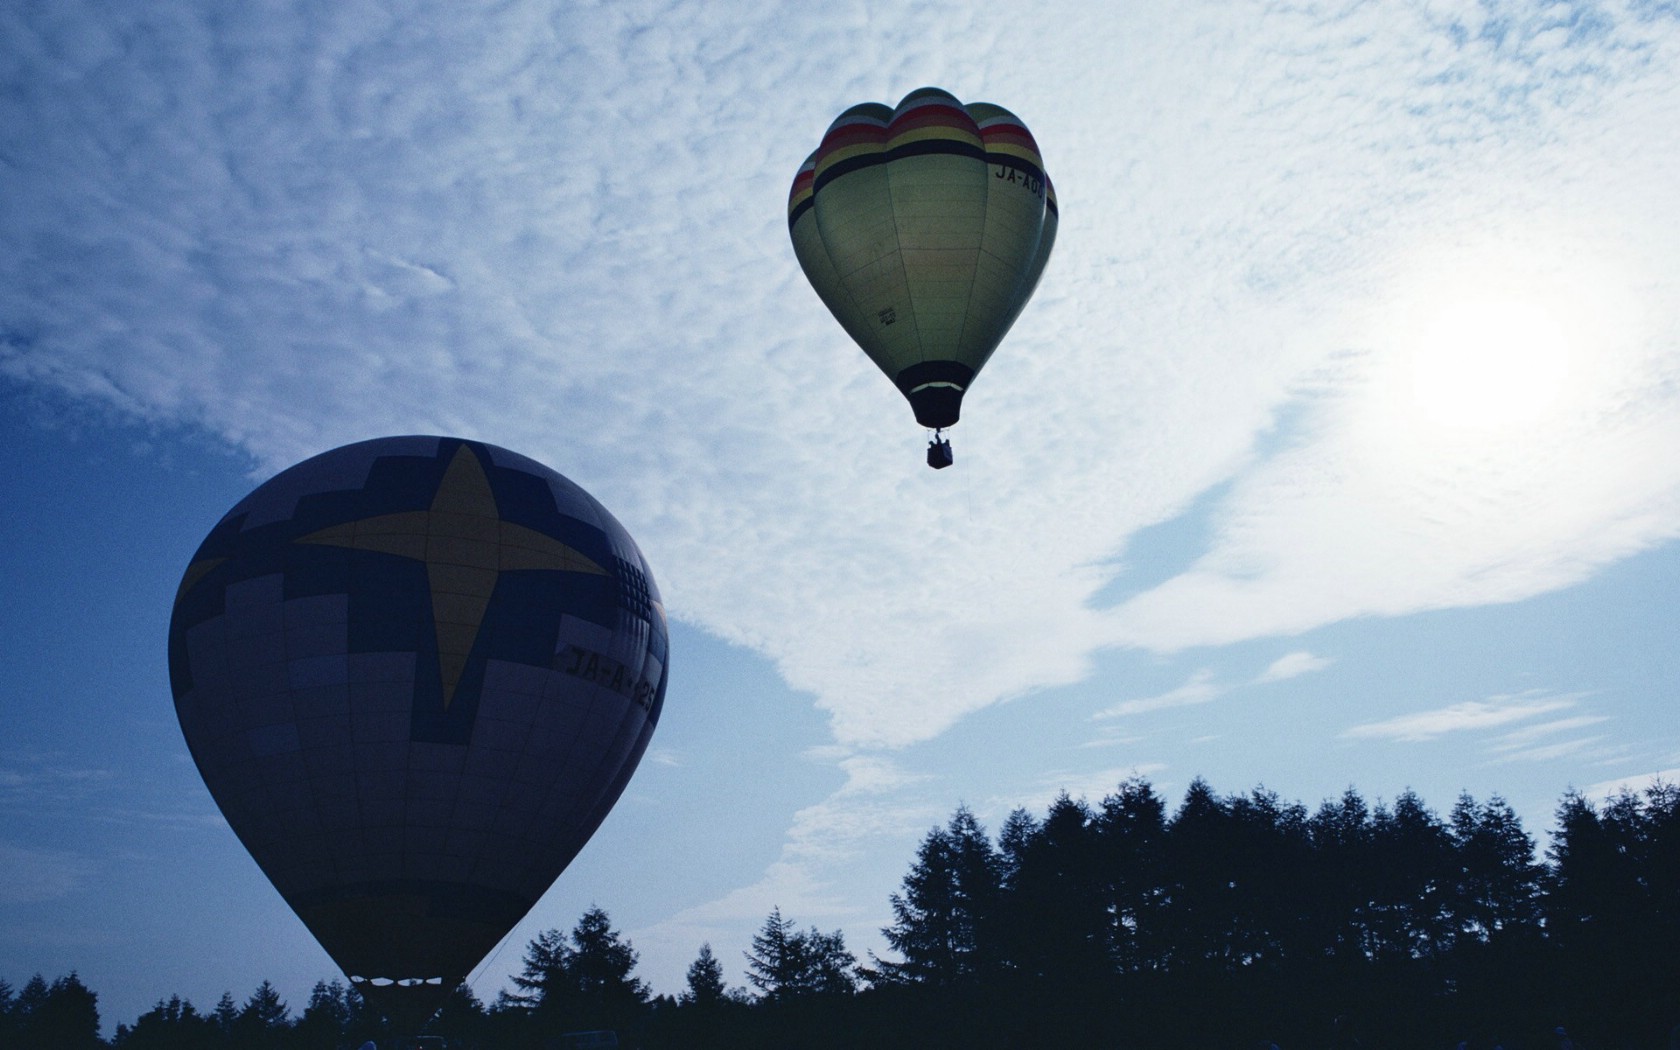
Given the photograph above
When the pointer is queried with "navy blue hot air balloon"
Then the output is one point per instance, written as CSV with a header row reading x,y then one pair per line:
x,y
416,673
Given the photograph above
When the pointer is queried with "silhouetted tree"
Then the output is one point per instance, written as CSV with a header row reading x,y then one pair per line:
x,y
776,961
579,982
326,1020
785,964
1498,879
172,1024
705,981
264,1021
1612,911
63,1015
461,1021
945,917
543,969
1412,878
1131,831
1201,898
1340,833
1056,914
225,1015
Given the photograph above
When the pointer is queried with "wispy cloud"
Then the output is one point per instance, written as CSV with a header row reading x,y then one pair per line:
x,y
1637,784
1293,665
30,875
1471,715
1537,743
1200,689
47,780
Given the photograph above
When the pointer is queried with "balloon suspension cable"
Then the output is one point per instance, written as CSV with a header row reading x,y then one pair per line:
x,y
939,450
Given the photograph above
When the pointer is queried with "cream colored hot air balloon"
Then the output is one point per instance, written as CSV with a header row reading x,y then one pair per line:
x,y
924,229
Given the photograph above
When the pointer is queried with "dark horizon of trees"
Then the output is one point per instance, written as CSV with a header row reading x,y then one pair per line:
x,y
1232,921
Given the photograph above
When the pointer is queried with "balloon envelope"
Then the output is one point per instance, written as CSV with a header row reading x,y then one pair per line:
x,y
415,674
925,229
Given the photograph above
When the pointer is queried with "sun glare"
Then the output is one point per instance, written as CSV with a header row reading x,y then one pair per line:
x,y
1488,363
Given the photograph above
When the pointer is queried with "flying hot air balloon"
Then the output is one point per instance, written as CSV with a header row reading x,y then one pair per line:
x,y
925,229
415,674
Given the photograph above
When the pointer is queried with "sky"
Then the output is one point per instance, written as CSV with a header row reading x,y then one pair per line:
x,y
1340,445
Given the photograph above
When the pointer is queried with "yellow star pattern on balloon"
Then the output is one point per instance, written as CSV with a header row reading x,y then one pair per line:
x,y
466,545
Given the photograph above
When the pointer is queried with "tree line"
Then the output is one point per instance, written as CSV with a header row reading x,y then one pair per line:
x,y
1232,921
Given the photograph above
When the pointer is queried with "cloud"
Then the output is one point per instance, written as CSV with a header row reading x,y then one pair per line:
x,y
298,227
1637,784
1530,743
876,775
1200,689
1293,665
31,782
1469,716
31,875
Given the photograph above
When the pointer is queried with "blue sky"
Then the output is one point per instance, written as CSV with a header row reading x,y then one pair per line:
x,y
1338,446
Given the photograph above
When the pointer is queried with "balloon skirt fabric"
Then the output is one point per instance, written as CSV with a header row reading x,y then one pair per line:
x,y
415,674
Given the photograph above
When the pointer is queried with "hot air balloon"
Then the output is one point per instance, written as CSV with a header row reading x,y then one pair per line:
x,y
924,229
415,674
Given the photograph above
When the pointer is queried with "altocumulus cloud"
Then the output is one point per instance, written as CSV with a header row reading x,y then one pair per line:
x,y
562,230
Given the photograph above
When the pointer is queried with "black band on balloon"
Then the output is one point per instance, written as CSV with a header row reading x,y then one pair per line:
x,y
923,148
917,149
800,209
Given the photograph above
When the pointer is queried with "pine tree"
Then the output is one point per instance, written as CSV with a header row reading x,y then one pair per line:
x,y
599,974
944,920
776,960
264,1020
1131,830
173,1024
705,981
580,981
1498,884
225,1016
830,967
62,1016
326,1019
8,1014
543,969
785,964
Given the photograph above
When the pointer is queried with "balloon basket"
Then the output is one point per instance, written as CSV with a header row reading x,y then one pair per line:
x,y
939,454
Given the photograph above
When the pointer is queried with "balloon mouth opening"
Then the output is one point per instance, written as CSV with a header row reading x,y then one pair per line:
x,y
935,390
399,982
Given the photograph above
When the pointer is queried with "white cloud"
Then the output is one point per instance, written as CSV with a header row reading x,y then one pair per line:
x,y
662,756
1471,715
1522,739
1200,689
1637,784
344,237
1293,665
876,775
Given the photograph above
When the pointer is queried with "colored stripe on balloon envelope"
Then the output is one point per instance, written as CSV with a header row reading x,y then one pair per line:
x,y
803,191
